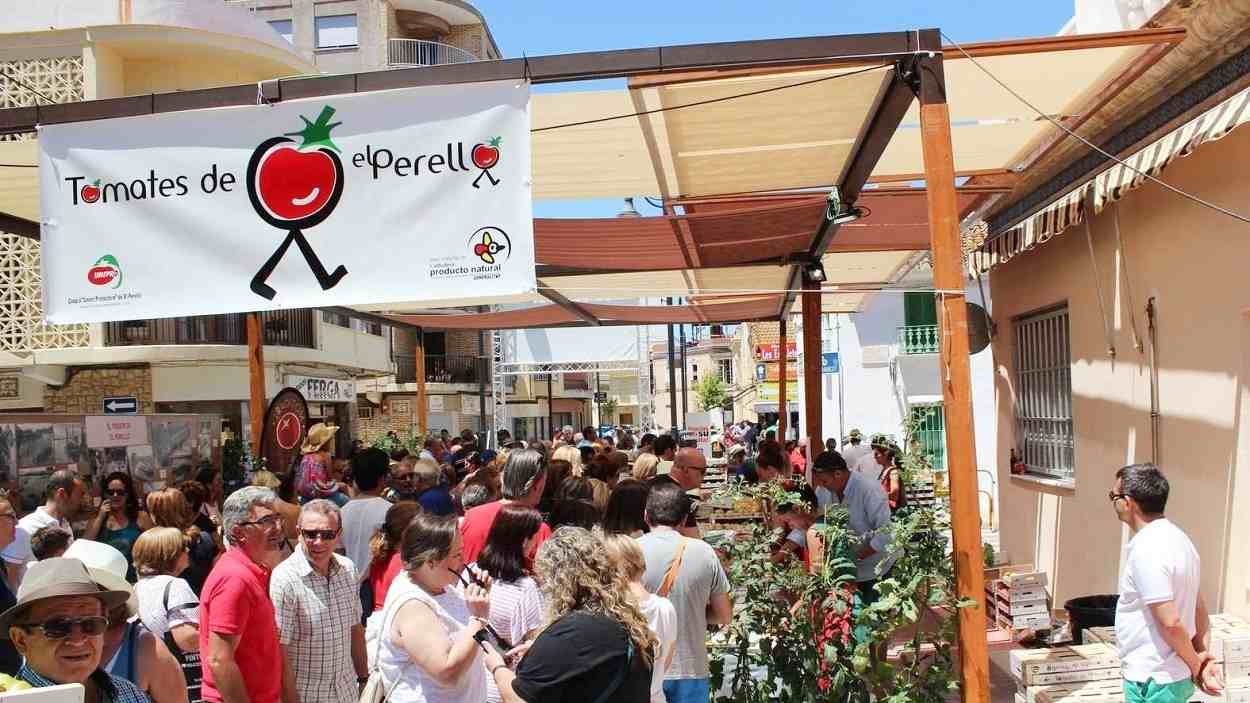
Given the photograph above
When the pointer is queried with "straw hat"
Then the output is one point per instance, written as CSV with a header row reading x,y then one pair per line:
x,y
57,578
318,435
107,567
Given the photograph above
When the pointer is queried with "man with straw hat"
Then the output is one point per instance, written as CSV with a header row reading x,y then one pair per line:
x,y
58,625
314,479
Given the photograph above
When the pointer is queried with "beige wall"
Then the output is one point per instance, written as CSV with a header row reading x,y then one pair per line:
x,y
1192,261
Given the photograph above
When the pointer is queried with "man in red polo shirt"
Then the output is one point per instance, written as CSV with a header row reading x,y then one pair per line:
x,y
524,477
242,659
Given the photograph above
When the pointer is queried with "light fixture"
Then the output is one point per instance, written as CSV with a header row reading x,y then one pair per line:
x,y
630,210
814,271
848,216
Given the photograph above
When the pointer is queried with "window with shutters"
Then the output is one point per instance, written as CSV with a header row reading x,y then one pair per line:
x,y
1043,405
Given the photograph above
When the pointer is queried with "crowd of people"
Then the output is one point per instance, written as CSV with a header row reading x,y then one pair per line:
x,y
569,570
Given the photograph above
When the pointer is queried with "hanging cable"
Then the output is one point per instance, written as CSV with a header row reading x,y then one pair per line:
x,y
19,165
1128,286
711,101
1102,305
1095,147
27,86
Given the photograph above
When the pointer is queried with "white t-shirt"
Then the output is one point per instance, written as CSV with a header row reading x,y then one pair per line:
x,y
852,453
1162,565
361,519
662,618
866,464
18,552
184,607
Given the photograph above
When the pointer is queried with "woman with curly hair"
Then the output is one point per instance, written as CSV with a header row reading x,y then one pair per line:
x,y
596,645
572,455
644,466
120,520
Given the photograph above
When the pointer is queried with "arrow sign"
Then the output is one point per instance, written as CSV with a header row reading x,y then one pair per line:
x,y
126,405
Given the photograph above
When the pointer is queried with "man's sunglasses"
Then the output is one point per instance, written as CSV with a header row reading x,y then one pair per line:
x,y
1113,496
60,628
117,492
406,477
314,535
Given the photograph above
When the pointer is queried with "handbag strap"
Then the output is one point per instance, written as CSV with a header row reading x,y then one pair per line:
x,y
383,632
620,675
674,566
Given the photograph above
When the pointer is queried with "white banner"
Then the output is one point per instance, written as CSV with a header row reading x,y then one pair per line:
x,y
323,390
414,194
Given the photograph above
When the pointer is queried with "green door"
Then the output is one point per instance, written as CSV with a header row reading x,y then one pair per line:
x,y
929,428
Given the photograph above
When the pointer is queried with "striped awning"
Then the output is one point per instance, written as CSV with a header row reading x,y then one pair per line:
x,y
1111,184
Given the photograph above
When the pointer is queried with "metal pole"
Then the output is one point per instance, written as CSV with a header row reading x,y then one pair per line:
x,y
551,408
685,383
481,385
841,385
423,405
672,377
598,404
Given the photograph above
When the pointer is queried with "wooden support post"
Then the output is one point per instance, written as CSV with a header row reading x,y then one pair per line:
x,y
813,405
783,410
256,377
423,405
948,278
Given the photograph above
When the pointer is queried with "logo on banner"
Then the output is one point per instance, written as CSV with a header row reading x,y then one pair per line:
x,y
486,156
295,187
289,431
105,271
91,192
489,242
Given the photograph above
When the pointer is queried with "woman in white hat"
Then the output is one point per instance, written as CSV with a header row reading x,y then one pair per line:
x,y
315,479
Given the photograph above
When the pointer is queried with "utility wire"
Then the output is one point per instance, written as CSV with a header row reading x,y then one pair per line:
x,y
27,86
19,165
1091,145
713,100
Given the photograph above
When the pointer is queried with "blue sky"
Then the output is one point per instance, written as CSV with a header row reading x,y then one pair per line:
x,y
537,27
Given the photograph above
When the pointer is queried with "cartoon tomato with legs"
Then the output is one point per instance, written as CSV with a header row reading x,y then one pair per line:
x,y
486,157
293,187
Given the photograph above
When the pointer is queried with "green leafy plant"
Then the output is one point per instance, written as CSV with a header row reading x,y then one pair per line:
x,y
413,441
607,410
805,637
710,392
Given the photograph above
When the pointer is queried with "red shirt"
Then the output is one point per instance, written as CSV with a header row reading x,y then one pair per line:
x,y
235,601
380,578
476,527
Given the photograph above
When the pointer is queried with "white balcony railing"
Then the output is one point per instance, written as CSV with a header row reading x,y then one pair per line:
x,y
419,52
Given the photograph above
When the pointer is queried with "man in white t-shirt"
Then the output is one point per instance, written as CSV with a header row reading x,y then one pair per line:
x,y
63,496
364,514
1161,620
854,449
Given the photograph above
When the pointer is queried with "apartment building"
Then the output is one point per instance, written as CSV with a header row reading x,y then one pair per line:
x,y
709,352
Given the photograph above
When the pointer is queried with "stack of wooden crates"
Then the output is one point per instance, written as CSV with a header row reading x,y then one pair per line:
x,y
1230,645
1088,673
1018,600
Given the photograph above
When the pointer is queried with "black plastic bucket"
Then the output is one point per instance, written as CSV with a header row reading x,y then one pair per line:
x,y
1090,611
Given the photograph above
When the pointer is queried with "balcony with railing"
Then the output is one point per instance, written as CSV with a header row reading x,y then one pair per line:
x,y
406,53
918,339
286,328
441,369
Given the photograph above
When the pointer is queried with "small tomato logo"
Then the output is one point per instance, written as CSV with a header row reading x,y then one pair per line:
x,y
105,271
91,192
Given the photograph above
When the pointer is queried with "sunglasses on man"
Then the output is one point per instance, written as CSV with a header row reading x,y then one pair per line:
x,y
60,628
314,535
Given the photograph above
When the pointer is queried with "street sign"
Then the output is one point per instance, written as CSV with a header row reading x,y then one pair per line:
x,y
829,362
123,405
601,396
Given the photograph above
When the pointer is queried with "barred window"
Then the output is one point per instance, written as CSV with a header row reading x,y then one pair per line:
x,y
1044,393
336,318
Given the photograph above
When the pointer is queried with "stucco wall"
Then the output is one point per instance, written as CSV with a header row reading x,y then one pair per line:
x,y
1192,261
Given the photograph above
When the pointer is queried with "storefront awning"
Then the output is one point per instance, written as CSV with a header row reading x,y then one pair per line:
x,y
1111,184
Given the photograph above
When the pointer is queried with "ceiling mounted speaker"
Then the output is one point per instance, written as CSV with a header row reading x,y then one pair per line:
x,y
980,328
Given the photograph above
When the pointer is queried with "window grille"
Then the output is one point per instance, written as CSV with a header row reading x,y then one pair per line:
x,y
1044,393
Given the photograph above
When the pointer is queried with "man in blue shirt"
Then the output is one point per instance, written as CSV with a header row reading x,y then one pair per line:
x,y
869,518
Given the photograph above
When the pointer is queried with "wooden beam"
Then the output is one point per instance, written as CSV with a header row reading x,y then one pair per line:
x,y
1006,47
948,277
256,380
22,227
813,398
423,405
783,414
882,48
555,296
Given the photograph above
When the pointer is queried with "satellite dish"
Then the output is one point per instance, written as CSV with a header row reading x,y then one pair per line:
x,y
980,328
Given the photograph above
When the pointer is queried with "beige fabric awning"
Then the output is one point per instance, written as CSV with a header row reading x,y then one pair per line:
x,y
1113,183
